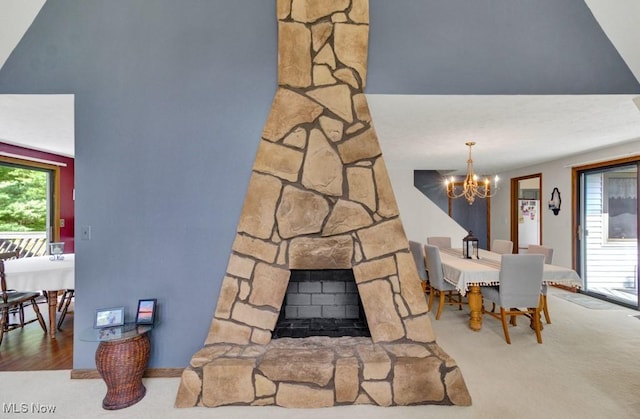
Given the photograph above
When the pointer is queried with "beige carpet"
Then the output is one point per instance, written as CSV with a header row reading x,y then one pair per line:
x,y
587,367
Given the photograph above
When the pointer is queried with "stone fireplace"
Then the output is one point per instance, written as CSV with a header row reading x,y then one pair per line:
x,y
319,198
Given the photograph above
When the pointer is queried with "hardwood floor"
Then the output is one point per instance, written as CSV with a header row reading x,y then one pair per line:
x,y
30,349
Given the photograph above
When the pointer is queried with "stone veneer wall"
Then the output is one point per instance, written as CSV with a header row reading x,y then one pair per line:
x,y
319,197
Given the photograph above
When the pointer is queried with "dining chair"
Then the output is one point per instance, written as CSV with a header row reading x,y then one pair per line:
x,y
418,257
548,259
15,299
445,291
504,247
6,254
519,291
440,241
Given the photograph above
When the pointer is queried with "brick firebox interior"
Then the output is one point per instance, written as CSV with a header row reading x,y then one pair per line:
x,y
319,198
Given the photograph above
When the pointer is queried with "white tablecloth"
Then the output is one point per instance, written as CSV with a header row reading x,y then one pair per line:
x,y
40,273
486,271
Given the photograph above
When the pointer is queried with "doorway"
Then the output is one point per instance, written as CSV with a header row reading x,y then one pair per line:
x,y
526,214
29,206
607,239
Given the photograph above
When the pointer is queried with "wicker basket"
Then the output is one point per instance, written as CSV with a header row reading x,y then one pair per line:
x,y
121,363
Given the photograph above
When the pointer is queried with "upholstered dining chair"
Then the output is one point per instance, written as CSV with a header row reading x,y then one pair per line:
x,y
548,258
418,257
440,241
504,247
519,291
15,299
443,289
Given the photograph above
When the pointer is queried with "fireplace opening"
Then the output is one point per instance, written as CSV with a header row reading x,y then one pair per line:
x,y
321,303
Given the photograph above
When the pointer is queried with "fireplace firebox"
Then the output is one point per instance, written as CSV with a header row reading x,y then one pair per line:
x,y
321,303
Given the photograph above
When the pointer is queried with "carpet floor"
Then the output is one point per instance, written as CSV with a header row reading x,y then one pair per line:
x,y
587,367
589,302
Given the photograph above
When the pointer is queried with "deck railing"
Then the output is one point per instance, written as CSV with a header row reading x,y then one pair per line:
x,y
27,243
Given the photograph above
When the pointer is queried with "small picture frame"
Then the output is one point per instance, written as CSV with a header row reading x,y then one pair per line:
x,y
146,313
109,317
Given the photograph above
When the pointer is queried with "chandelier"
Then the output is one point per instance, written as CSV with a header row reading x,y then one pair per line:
x,y
471,188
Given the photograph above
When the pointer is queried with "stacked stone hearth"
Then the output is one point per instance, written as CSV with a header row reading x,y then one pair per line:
x,y
319,197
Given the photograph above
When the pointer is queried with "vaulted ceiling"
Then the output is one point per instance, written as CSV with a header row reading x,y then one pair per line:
x,y
426,130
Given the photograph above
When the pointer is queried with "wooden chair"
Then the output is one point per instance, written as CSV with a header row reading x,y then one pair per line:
x,y
15,299
444,242
445,291
548,259
504,247
418,257
519,291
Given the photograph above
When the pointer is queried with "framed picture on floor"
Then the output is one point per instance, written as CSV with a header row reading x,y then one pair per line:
x,y
146,311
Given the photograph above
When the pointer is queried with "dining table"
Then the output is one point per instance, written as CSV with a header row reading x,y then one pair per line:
x,y
469,274
42,273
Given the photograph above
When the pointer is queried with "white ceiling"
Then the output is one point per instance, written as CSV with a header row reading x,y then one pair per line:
x,y
40,122
423,132
430,132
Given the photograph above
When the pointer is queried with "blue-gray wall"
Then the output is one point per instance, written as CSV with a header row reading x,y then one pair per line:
x,y
171,97
492,47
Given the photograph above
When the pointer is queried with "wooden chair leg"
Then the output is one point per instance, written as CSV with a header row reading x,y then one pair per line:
x,y
543,304
61,303
536,324
67,300
3,321
442,294
513,320
505,328
430,303
5,317
21,315
34,304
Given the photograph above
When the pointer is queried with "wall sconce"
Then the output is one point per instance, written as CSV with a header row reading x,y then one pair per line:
x,y
554,204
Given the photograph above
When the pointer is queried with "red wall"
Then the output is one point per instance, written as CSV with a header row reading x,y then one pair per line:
x,y
67,210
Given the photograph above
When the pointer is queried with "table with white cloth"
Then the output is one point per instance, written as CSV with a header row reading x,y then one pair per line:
x,y
40,273
468,275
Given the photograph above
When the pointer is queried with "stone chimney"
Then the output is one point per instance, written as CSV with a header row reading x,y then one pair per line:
x,y
320,197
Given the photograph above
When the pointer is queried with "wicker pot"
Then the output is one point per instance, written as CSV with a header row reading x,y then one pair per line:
x,y
121,364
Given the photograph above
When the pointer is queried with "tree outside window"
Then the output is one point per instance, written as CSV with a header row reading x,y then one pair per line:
x,y
23,199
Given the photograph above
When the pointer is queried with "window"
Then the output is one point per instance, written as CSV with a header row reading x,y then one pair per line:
x,y
620,205
29,198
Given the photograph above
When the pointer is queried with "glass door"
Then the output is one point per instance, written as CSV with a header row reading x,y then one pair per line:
x,y
608,232
26,209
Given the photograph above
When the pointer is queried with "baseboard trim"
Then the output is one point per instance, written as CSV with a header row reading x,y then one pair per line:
x,y
88,374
